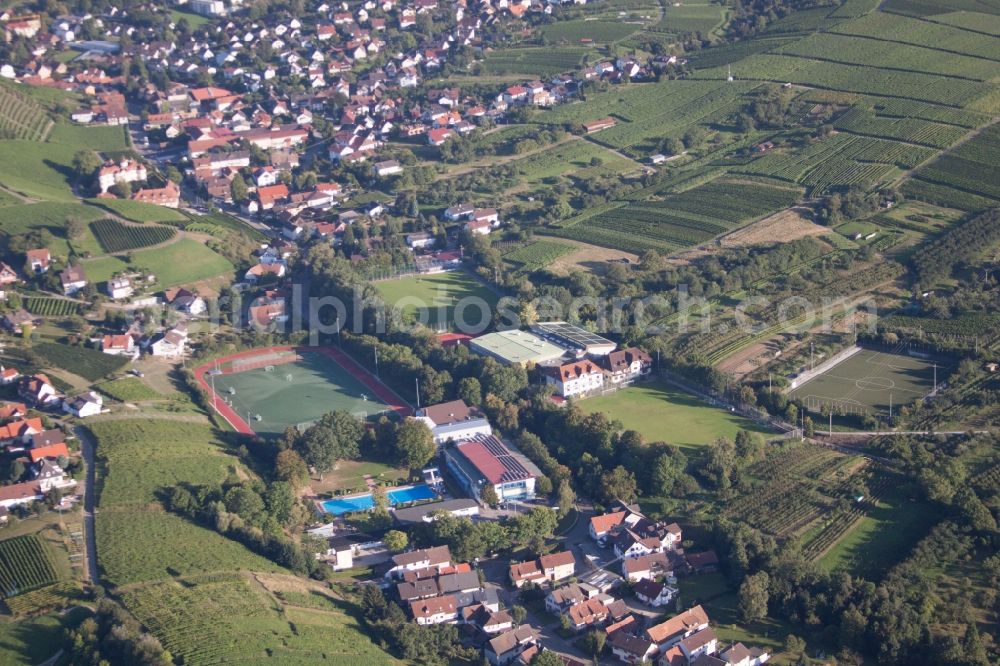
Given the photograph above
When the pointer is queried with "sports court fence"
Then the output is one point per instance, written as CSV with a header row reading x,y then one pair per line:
x,y
268,360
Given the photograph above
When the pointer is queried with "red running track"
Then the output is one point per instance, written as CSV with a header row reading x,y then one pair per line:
x,y
352,367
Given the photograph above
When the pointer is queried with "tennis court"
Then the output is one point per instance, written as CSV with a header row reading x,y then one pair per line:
x,y
272,397
869,381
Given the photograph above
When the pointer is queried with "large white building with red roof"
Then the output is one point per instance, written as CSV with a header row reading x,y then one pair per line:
x,y
486,460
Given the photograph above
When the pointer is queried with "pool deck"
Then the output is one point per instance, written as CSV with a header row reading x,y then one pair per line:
x,y
437,497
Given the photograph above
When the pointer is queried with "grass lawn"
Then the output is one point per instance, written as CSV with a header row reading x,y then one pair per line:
x,y
129,389
661,412
351,474
38,170
195,21
183,262
33,640
20,219
102,139
573,32
433,298
138,211
881,538
572,157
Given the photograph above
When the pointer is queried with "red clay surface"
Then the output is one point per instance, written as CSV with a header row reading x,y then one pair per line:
x,y
384,393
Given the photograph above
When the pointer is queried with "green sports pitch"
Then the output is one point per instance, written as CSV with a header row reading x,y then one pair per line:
x,y
295,393
869,381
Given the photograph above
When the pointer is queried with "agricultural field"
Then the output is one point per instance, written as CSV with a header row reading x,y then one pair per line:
x,y
890,55
730,53
81,137
138,211
82,361
234,618
534,61
183,262
128,389
648,112
433,298
140,545
574,32
801,22
579,159
702,18
867,122
841,159
680,220
51,307
921,33
21,117
25,565
662,413
536,255
139,458
856,78
116,237
967,177
932,8
37,170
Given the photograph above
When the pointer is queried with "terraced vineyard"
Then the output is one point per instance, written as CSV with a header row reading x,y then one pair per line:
x,y
24,566
922,33
21,117
865,121
680,220
967,178
536,255
536,61
856,78
117,237
650,111
841,522
838,160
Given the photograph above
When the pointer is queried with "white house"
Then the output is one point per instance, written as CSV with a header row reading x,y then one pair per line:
x,y
434,610
653,593
484,459
437,557
508,646
125,171
73,279
575,379
83,405
170,344
387,168
120,287
454,421
420,240
118,345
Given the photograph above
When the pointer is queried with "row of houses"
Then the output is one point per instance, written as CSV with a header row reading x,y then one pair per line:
x,y
41,450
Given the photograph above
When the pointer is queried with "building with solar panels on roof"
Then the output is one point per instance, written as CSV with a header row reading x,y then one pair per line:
x,y
485,459
577,340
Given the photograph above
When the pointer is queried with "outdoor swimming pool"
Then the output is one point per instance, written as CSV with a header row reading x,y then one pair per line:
x,y
341,505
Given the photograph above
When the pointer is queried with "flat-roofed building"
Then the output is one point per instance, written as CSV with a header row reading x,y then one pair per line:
x,y
574,338
516,348
485,459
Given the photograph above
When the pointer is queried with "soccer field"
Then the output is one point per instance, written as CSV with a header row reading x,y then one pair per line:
x,y
869,381
433,298
295,393
662,413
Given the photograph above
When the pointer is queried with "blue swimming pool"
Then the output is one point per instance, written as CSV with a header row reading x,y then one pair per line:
x,y
341,505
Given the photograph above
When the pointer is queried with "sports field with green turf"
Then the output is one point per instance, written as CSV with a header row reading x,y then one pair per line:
x,y
433,299
662,413
295,393
869,381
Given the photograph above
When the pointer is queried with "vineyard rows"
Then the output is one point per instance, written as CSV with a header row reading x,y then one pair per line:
x,y
50,596
843,521
840,159
863,51
537,61
864,79
117,237
679,220
880,25
536,255
902,108
20,117
911,130
24,566
943,195
52,307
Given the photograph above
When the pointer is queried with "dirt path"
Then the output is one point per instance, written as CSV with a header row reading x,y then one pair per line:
x,y
87,447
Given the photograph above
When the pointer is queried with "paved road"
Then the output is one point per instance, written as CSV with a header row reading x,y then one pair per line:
x,y
89,501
